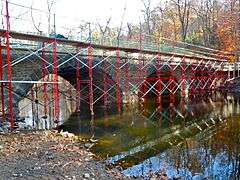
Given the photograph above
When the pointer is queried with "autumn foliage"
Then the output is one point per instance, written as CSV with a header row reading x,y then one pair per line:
x,y
210,23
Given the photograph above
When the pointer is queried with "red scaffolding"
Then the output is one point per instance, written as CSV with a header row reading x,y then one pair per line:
x,y
127,74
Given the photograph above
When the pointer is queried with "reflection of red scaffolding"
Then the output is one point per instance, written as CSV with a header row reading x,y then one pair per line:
x,y
135,73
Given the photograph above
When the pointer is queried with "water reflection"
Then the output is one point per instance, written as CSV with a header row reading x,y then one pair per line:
x,y
213,154
197,137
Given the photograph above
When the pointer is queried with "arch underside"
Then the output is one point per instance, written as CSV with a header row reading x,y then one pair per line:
x,y
29,71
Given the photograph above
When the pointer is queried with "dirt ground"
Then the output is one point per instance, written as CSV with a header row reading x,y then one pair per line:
x,y
49,155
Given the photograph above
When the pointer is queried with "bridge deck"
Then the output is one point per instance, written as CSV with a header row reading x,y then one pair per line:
x,y
218,56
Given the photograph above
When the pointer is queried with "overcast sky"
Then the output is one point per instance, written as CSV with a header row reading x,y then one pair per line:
x,y
101,9
72,12
91,10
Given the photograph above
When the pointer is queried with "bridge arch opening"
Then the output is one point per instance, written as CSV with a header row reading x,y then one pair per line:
x,y
161,87
31,106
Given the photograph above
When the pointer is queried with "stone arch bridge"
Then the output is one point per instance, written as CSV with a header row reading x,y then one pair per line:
x,y
105,75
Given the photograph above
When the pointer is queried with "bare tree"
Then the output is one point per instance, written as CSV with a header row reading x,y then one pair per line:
x,y
129,31
152,19
204,10
50,4
104,29
121,24
36,26
83,27
183,13
132,31
158,19
173,18
147,14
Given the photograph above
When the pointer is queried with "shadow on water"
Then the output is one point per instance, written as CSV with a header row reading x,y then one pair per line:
x,y
194,138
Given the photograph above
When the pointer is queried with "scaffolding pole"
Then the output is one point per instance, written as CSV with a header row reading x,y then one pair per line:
x,y
78,84
105,84
44,76
172,82
2,85
90,75
8,48
126,79
118,90
158,75
55,85
183,78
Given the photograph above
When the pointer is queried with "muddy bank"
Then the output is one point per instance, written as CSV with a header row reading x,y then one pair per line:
x,y
48,155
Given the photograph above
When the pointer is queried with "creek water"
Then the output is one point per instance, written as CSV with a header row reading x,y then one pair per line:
x,y
194,139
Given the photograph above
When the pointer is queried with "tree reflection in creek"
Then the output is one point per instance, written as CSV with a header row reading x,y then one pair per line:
x,y
187,139
213,155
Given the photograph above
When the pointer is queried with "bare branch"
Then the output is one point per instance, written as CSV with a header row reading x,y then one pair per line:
x,y
49,7
120,28
33,21
104,30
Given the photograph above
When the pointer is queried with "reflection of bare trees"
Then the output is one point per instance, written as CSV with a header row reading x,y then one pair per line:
x,y
204,146
218,156
214,152
227,140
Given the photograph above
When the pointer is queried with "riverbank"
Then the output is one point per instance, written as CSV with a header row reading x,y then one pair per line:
x,y
49,155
